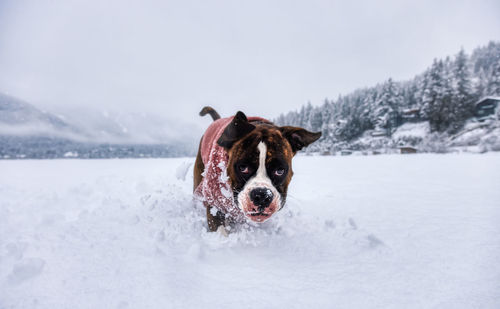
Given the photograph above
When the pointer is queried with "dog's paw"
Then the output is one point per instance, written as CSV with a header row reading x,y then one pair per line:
x,y
222,230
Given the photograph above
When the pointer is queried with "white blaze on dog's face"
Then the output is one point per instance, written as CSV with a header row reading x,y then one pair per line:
x,y
260,163
259,199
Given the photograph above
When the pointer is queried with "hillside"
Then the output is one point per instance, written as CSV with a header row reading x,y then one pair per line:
x,y
28,132
442,99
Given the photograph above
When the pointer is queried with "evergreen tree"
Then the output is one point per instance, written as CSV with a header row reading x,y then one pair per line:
x,y
316,120
481,87
306,120
433,96
326,115
424,96
445,95
494,80
386,112
462,107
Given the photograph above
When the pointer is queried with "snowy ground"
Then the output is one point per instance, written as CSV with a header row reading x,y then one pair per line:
x,y
391,231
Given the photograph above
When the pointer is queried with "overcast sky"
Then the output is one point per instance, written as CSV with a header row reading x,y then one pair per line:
x,y
263,57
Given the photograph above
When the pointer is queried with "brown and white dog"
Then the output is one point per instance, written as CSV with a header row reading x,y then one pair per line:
x,y
244,166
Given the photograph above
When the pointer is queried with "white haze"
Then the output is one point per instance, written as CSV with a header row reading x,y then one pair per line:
x,y
90,125
128,127
171,58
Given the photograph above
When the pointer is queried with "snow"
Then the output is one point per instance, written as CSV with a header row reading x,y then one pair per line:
x,y
182,170
70,154
478,136
420,129
387,231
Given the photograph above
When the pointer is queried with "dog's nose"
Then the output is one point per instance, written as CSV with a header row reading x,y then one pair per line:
x,y
261,197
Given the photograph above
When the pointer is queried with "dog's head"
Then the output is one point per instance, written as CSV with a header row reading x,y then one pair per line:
x,y
260,163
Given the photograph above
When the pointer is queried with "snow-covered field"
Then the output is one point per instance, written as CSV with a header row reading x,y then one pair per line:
x,y
391,231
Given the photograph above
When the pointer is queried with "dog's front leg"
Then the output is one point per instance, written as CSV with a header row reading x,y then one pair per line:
x,y
215,221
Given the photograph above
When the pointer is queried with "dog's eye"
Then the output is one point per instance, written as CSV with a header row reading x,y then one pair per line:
x,y
244,169
279,171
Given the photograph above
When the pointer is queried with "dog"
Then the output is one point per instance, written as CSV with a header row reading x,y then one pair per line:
x,y
244,166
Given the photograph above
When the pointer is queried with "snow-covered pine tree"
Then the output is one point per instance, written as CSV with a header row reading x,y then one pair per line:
x,y
424,98
306,122
387,110
481,85
444,94
462,104
435,96
493,87
315,119
447,112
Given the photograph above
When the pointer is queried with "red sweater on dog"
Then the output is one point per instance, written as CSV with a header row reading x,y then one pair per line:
x,y
215,188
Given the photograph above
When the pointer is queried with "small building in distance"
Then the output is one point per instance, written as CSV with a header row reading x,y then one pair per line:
x,y
411,115
486,107
379,132
407,150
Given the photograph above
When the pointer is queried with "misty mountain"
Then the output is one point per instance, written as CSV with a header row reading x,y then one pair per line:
x,y
127,127
20,118
16,112
28,132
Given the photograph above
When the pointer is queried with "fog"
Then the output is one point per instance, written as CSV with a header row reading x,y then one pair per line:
x,y
171,58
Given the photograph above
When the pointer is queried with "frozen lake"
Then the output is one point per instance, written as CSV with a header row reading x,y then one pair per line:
x,y
390,231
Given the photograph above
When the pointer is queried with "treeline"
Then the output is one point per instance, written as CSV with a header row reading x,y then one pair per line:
x,y
444,95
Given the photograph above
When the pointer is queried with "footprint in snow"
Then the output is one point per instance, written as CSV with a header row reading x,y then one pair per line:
x,y
16,250
374,241
353,224
26,270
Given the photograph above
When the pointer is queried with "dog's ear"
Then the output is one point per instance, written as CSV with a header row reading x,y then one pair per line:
x,y
238,128
299,137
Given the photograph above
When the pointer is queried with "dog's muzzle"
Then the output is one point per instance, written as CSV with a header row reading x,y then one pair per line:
x,y
259,203
261,197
